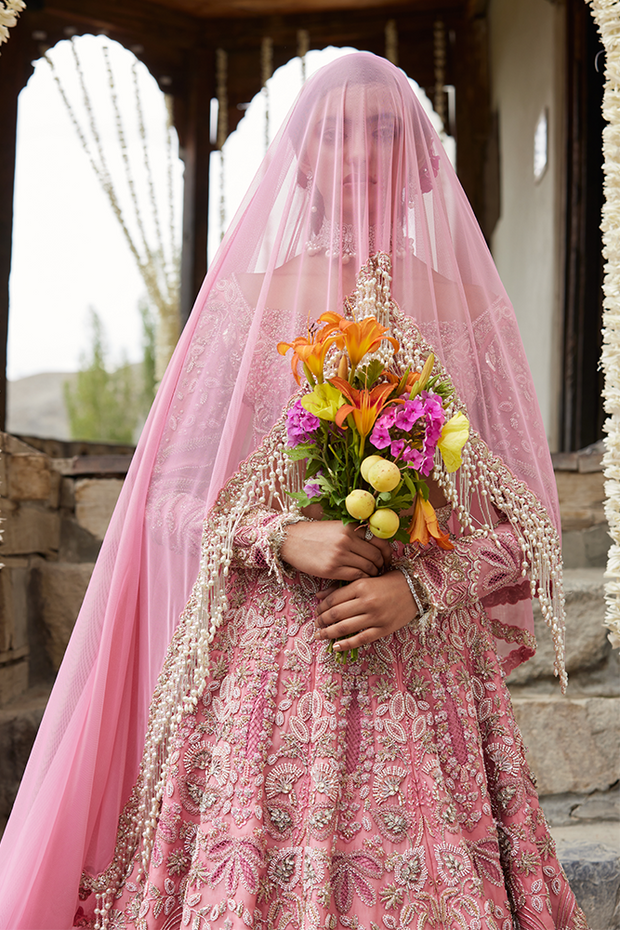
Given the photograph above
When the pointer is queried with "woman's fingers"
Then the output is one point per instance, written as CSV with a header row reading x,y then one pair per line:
x,y
381,545
367,551
344,627
330,550
363,638
382,604
384,548
336,595
351,633
378,550
342,604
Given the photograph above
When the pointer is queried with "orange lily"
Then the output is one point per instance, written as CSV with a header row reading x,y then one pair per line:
x,y
310,353
365,406
358,338
424,525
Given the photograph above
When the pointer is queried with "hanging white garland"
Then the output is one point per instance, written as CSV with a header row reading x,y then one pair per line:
x,y
9,11
266,67
606,14
391,41
157,257
439,56
303,46
221,73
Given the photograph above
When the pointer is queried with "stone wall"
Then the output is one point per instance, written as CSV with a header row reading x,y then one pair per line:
x,y
573,740
56,499
581,489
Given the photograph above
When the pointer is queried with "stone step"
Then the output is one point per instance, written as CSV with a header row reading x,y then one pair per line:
x,y
590,856
572,741
561,733
587,646
586,548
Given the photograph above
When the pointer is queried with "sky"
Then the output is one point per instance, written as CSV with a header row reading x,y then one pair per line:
x,y
69,252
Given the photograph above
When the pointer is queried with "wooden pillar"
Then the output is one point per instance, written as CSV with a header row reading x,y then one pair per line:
x,y
15,69
195,151
474,127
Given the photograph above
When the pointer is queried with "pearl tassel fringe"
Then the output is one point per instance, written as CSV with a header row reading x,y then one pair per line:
x,y
483,481
183,677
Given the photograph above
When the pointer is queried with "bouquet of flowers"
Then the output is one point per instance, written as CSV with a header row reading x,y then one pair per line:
x,y
369,435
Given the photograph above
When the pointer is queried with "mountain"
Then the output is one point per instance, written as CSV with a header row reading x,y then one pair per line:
x,y
36,406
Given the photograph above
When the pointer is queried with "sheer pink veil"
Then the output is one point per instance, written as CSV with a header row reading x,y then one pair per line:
x,y
356,168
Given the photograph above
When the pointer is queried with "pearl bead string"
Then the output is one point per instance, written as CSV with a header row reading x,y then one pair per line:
x,y
483,480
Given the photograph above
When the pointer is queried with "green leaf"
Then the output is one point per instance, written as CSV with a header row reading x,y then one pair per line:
x,y
367,375
300,452
423,489
403,381
402,502
373,371
302,498
385,496
312,467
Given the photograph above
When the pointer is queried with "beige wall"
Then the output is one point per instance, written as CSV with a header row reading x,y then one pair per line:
x,y
526,43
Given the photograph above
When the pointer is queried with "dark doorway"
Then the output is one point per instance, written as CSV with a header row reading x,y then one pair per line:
x,y
582,406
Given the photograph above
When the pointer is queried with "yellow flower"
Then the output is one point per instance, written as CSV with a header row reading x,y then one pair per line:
x,y
454,435
324,401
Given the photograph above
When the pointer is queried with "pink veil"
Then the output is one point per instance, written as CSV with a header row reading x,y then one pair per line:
x,y
356,168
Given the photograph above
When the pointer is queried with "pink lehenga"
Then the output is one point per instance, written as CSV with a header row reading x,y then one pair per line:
x,y
300,792
204,761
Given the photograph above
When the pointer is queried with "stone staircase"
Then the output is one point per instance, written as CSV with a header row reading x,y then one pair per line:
x,y
573,744
573,739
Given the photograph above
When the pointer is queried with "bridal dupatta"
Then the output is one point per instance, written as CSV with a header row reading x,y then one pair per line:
x,y
356,169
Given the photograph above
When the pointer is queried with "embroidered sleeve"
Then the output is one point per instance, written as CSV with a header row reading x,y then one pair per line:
x,y
259,537
477,569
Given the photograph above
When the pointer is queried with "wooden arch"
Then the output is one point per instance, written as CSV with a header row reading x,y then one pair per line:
x,y
177,40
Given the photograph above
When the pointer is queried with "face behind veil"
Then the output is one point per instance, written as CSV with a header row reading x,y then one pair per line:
x,y
355,169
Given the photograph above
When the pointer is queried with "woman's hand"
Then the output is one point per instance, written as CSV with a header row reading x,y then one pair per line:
x,y
329,549
365,610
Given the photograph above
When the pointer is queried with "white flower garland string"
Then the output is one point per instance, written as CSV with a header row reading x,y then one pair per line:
x,y
9,12
606,14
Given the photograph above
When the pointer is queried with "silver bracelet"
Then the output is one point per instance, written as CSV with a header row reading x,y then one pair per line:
x,y
414,593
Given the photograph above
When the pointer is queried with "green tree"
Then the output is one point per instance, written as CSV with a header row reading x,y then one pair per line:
x,y
105,405
149,335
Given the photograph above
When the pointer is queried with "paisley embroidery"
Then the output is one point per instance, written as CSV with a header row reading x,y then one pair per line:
x,y
385,792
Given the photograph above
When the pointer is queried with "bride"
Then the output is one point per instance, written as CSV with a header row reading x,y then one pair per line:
x,y
205,760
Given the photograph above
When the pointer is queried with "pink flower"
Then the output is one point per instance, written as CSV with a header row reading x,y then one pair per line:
x,y
418,423
397,447
408,414
380,436
300,424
